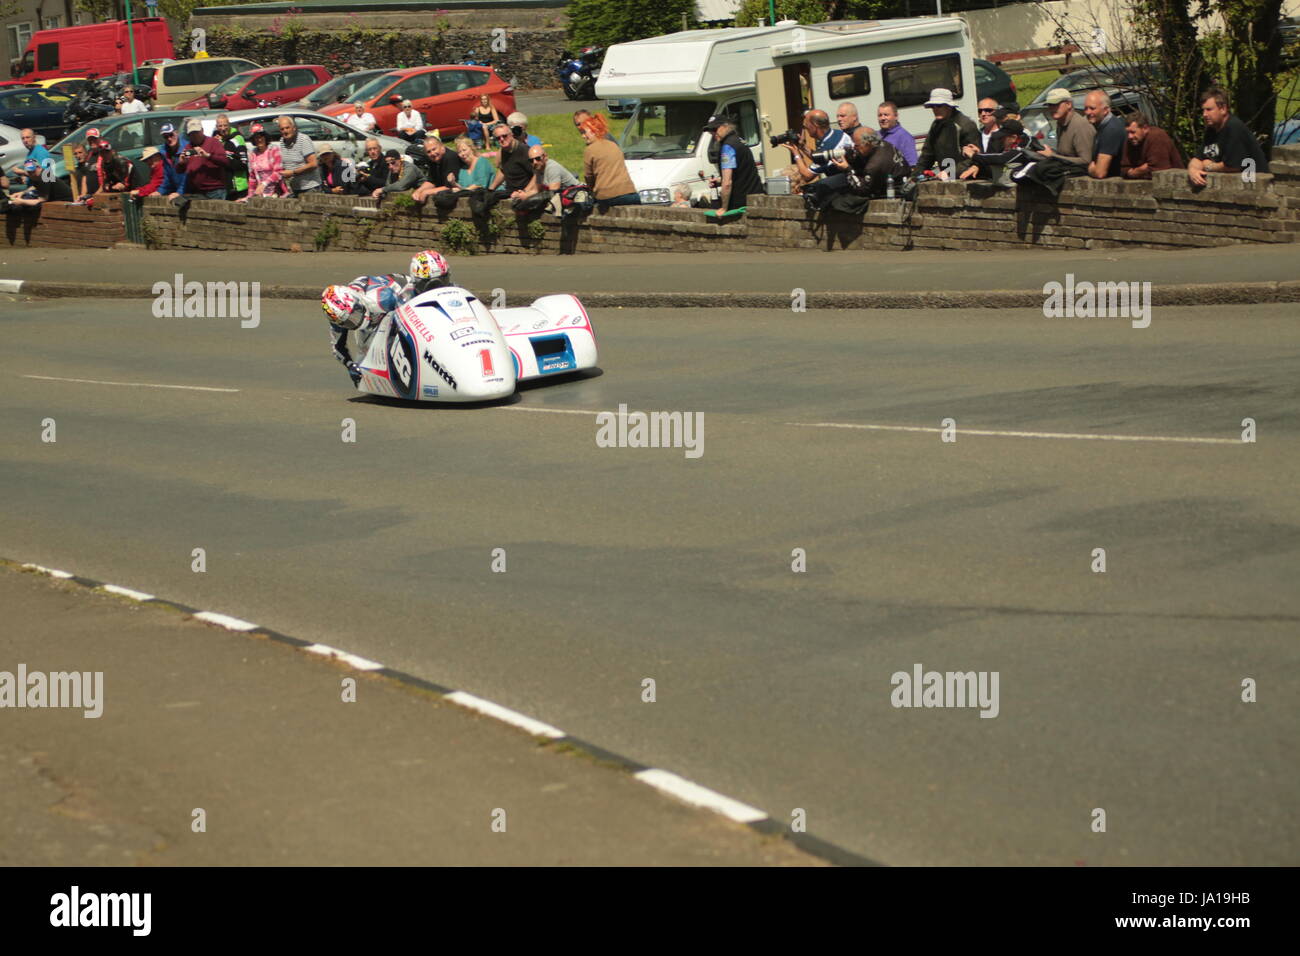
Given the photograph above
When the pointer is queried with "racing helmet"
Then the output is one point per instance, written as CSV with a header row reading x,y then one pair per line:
x,y
429,270
343,306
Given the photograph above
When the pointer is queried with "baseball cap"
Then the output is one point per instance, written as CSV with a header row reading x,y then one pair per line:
x,y
194,125
1012,107
1058,95
31,166
149,153
717,120
940,97
92,133
167,128
392,154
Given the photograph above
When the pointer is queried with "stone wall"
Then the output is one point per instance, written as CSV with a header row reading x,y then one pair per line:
x,y
1162,214
66,226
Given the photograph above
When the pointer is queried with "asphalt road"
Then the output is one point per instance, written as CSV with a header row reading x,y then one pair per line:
x,y
1119,691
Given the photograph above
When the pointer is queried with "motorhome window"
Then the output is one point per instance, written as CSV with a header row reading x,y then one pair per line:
x,y
845,83
665,128
909,82
47,56
747,113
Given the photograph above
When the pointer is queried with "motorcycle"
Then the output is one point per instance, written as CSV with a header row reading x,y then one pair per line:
x,y
445,345
578,73
97,99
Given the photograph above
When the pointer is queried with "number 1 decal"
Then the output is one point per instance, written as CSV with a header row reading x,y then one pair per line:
x,y
485,357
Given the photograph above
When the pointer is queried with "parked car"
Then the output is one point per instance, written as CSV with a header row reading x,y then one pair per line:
x,y
622,107
12,150
270,85
178,81
68,86
338,89
1289,27
28,107
320,129
1039,124
1287,132
1120,76
444,95
993,82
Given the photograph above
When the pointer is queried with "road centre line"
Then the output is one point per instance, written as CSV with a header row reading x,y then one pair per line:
x,y
90,381
1000,433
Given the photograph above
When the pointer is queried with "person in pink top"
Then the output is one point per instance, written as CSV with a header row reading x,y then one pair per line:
x,y
265,166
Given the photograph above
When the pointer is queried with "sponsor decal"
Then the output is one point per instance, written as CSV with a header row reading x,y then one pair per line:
x,y
442,372
455,303
413,320
429,391
541,324
554,365
400,366
476,342
461,333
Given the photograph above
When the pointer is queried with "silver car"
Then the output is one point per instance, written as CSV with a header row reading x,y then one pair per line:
x,y
320,129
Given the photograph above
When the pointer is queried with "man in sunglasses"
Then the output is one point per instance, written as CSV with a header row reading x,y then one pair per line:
x,y
514,169
990,139
543,190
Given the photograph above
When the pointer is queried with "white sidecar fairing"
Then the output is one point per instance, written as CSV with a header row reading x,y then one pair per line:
x,y
550,337
442,346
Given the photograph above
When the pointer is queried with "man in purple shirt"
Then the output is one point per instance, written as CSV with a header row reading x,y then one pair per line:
x,y
893,134
204,163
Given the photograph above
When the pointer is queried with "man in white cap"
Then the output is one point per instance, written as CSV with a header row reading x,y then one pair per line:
x,y
519,119
949,133
1074,134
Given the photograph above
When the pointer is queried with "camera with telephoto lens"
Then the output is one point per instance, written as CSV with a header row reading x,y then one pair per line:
x,y
790,136
824,156
518,133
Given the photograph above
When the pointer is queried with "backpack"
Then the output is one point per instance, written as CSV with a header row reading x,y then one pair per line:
x,y
576,200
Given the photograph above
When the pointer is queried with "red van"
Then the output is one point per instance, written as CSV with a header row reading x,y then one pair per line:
x,y
100,48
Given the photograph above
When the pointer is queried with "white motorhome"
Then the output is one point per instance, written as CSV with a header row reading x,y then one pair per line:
x,y
767,77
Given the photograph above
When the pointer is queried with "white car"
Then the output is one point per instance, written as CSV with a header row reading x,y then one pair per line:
x,y
345,140
12,150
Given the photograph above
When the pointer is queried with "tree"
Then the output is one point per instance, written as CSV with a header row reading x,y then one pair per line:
x,y
817,11
602,22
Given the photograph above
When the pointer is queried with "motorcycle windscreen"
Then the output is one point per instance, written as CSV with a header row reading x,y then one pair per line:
x,y
462,354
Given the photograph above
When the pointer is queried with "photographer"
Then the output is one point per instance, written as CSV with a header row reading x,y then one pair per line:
x,y
818,127
205,163
740,177
864,173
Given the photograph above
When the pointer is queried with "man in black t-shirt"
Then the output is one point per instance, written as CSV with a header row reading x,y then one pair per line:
x,y
865,171
1108,144
440,168
1229,145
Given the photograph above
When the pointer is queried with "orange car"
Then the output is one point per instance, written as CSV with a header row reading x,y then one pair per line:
x,y
444,95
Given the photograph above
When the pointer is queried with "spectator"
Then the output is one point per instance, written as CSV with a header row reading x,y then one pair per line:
x,y
410,124
337,174
740,178
442,167
130,104
265,165
846,118
1010,141
298,153
514,170
475,170
152,161
485,117
173,185
681,198
205,163
950,131
82,171
1228,145
35,152
372,168
1149,149
817,126
990,139
604,169
543,190
360,118
112,171
237,150
864,172
518,124
1108,145
895,135
401,175
1074,134
40,189
580,117
1009,111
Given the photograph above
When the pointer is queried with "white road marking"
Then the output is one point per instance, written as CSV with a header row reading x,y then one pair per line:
x,y
91,381
534,727
50,571
999,433
360,663
11,285
226,621
698,796
127,592
549,411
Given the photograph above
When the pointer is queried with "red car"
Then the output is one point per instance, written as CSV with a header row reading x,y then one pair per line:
x,y
444,95
269,86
